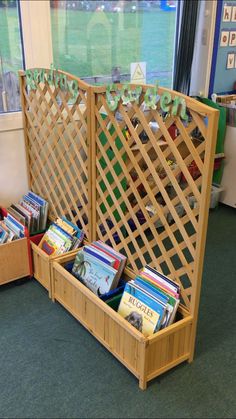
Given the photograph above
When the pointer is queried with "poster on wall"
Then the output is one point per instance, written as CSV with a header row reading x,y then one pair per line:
x,y
230,61
232,39
233,17
227,13
224,40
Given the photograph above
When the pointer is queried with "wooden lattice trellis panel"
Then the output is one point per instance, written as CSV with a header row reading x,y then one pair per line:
x,y
56,131
132,175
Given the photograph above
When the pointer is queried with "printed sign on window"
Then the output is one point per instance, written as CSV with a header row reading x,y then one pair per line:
x,y
138,73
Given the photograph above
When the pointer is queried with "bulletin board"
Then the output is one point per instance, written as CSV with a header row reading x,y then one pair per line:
x,y
223,73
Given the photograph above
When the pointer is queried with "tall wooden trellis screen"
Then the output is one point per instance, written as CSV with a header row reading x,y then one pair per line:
x,y
132,175
82,161
56,133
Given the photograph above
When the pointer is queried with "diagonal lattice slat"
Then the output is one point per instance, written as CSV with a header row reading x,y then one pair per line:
x,y
56,132
133,175
145,191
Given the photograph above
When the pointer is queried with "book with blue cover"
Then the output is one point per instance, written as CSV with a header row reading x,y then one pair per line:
x,y
99,254
170,301
98,276
141,310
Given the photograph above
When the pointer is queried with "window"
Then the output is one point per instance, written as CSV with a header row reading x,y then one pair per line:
x,y
10,56
98,40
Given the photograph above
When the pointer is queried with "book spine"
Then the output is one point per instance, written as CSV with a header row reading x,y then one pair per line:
x,y
96,255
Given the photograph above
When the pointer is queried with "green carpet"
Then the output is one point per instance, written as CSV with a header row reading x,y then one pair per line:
x,y
51,367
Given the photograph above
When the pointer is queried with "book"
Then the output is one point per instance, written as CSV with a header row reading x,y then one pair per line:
x,y
61,237
25,213
14,225
95,274
99,255
117,255
170,301
56,241
43,208
103,251
162,280
3,235
141,310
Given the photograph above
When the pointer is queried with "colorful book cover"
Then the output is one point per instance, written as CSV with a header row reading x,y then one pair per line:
x,y
164,278
140,310
95,274
99,255
170,301
52,244
159,281
113,253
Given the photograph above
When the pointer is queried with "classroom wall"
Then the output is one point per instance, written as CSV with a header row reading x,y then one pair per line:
x,y
223,72
201,66
13,173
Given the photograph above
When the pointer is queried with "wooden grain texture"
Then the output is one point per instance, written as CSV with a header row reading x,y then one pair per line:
x,y
128,180
42,266
82,161
146,358
56,135
14,261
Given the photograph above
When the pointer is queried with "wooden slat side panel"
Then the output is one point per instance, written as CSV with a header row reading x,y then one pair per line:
x,y
41,268
147,208
112,335
168,350
56,130
14,260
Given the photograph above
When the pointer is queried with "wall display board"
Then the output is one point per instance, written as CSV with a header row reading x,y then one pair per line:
x,y
223,73
147,170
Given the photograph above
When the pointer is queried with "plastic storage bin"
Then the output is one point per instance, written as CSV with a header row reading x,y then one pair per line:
x,y
215,195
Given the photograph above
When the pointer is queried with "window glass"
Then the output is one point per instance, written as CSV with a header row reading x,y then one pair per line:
x,y
10,56
98,40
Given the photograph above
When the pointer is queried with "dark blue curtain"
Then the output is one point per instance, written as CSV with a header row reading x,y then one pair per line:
x,y
185,46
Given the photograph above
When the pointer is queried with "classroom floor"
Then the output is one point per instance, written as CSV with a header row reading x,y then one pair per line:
x,y
51,367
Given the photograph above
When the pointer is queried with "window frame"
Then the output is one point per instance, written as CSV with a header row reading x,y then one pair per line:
x,y
35,21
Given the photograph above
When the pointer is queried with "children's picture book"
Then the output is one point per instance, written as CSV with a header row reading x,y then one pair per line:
x,y
141,310
170,302
98,276
120,260
154,290
61,236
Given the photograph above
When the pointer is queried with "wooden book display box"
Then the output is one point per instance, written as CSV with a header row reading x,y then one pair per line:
x,y
15,258
120,164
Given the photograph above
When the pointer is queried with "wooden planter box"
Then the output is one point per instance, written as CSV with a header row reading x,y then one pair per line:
x,y
86,167
145,357
14,260
42,265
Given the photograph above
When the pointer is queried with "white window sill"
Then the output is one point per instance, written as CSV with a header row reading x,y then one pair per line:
x,y
11,121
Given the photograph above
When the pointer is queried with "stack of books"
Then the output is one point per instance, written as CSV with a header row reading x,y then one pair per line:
x,y
99,267
61,237
150,301
10,229
31,211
